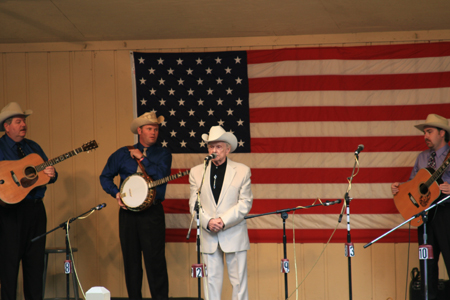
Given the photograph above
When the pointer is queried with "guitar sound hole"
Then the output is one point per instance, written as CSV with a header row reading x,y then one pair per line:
x,y
423,189
30,172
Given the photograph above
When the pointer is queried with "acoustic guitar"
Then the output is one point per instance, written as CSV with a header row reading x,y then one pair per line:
x,y
419,193
19,177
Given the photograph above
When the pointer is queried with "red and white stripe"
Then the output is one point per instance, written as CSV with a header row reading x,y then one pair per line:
x,y
310,108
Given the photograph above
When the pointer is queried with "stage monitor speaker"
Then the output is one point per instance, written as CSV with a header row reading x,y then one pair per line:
x,y
98,293
170,298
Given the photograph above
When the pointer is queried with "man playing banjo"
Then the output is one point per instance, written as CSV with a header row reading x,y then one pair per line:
x,y
141,231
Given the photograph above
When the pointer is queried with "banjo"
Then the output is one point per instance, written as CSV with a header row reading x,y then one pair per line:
x,y
138,190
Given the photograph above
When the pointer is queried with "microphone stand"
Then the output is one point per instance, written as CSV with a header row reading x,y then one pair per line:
x,y
349,248
197,208
424,216
68,262
284,216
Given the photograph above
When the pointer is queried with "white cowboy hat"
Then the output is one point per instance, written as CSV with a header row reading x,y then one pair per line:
x,y
218,134
10,110
434,120
145,119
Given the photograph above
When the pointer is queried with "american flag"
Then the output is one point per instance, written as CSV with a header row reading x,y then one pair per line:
x,y
309,109
194,92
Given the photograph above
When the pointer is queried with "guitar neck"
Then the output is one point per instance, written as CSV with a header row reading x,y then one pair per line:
x,y
58,159
167,179
438,173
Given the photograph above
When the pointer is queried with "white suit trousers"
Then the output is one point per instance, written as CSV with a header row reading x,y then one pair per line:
x,y
237,273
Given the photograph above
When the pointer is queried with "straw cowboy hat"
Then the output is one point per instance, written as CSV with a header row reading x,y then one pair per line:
x,y
145,119
434,120
218,134
10,110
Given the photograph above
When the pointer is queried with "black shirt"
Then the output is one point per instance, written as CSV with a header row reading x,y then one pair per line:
x,y
217,176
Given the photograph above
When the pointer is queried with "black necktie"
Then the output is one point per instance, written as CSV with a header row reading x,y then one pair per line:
x,y
432,160
20,151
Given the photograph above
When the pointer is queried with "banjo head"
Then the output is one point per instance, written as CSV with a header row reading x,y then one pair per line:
x,y
134,191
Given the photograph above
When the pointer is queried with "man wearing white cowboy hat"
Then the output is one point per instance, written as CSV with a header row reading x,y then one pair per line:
x,y
142,232
436,134
225,199
26,219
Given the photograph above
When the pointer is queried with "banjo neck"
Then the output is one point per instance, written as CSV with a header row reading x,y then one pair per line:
x,y
155,183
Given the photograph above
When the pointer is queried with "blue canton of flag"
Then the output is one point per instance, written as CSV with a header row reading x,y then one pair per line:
x,y
194,91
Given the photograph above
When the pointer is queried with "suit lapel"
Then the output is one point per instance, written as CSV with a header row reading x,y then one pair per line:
x,y
207,183
230,172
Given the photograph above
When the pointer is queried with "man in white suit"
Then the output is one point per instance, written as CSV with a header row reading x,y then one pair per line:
x,y
225,199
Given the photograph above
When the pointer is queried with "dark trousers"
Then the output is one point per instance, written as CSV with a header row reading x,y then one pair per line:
x,y
19,223
438,236
143,233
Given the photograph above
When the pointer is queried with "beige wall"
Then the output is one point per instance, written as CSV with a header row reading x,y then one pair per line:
x,y
80,92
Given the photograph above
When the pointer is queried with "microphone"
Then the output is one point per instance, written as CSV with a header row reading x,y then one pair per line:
x,y
328,203
100,206
211,156
360,148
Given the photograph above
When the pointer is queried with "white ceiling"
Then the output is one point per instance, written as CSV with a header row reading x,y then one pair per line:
x,y
33,21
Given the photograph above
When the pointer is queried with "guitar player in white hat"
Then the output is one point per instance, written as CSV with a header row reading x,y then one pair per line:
x,y
226,198
436,132
26,218
142,233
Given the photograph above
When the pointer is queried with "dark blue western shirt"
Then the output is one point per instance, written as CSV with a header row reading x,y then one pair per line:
x,y
157,164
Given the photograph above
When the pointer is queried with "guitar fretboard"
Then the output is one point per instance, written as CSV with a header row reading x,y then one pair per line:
x,y
438,173
58,159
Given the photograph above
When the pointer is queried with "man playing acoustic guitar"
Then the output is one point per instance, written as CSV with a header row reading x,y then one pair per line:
x,y
436,133
21,222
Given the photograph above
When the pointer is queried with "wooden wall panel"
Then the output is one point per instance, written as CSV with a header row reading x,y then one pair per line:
x,y
269,283
85,175
38,94
406,260
2,79
362,275
336,272
124,98
77,96
60,117
383,268
106,110
15,78
315,284
39,131
179,276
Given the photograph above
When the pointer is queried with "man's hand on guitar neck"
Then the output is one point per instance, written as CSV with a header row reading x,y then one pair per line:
x,y
50,171
394,188
445,188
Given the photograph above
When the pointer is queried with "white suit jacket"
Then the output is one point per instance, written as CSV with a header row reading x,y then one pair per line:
x,y
234,204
